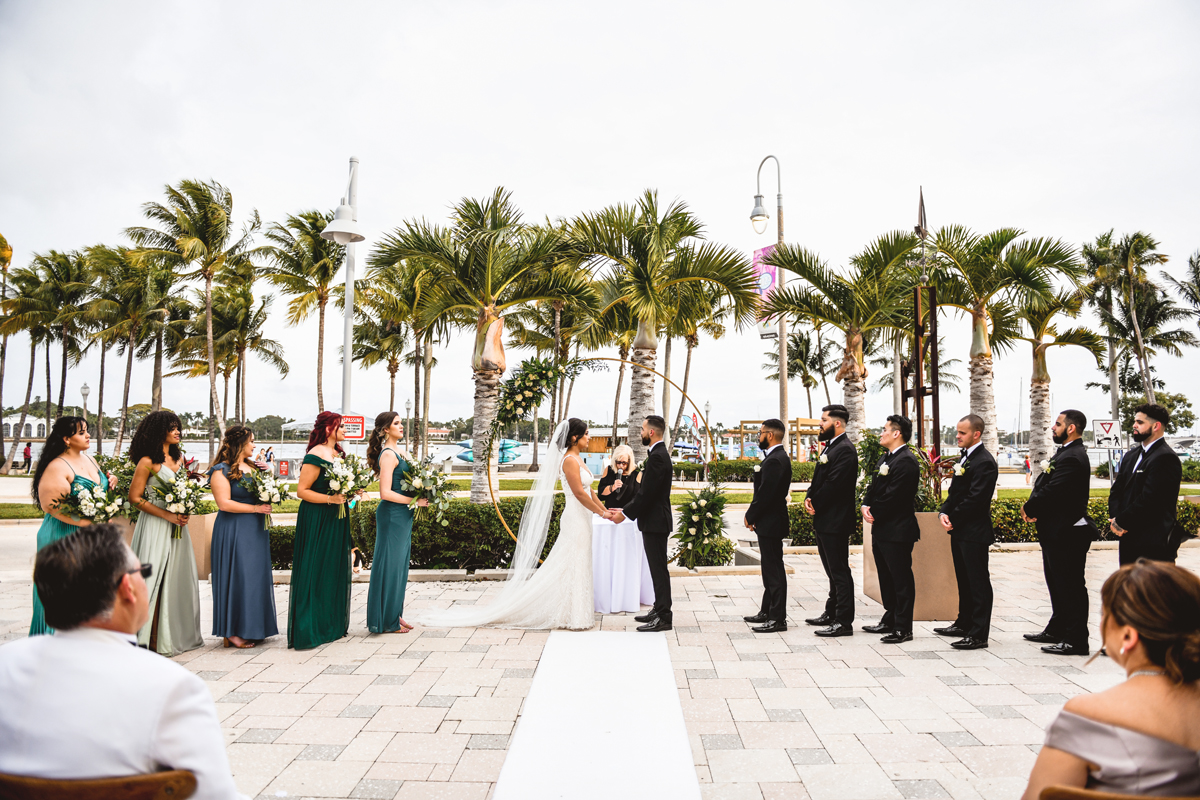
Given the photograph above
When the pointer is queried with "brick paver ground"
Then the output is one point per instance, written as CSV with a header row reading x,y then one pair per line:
x,y
429,714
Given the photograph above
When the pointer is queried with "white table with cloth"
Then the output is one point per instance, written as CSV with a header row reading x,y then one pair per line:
x,y
620,573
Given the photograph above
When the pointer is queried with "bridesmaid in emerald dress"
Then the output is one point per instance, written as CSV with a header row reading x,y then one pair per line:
x,y
393,527
319,598
161,538
64,468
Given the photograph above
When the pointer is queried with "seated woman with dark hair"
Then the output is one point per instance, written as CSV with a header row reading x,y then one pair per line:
x,y
1143,735
621,479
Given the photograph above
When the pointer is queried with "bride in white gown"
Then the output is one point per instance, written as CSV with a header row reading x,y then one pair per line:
x,y
559,593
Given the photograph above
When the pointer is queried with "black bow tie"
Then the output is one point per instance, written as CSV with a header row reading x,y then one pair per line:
x,y
962,453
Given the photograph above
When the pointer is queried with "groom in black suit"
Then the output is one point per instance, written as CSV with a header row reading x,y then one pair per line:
x,y
651,508
831,502
768,517
890,505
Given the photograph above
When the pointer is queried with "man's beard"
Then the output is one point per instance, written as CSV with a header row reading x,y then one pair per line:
x,y
825,435
1141,437
1059,439
764,443
645,441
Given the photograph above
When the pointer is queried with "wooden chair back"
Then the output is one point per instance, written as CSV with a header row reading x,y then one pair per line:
x,y
1072,793
174,785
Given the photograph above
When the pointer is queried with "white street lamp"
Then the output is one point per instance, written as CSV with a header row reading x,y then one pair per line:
x,y
85,390
344,230
759,217
707,437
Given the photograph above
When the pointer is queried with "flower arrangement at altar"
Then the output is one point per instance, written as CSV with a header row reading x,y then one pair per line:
x,y
96,504
524,391
180,496
264,486
701,534
425,482
350,475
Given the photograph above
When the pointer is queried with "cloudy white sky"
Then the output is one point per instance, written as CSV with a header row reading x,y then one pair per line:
x,y
1064,119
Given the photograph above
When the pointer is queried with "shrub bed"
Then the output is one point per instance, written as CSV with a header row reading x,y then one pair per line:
x,y
733,471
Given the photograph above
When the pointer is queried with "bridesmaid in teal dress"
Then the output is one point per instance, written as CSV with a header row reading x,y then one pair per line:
x,y
174,587
319,597
393,528
64,468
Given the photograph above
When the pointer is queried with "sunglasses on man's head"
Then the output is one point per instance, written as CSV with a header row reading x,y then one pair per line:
x,y
145,569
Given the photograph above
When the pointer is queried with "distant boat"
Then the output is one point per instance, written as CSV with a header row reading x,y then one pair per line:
x,y
505,444
506,456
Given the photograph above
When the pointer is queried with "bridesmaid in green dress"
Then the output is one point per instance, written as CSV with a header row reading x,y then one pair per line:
x,y
393,528
64,468
319,598
174,625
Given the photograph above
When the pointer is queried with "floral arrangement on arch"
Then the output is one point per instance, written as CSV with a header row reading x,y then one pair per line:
x,y
702,539
524,391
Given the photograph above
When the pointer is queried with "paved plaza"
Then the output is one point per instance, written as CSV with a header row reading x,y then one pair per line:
x,y
430,714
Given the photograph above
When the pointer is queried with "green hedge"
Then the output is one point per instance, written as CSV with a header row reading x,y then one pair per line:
x,y
734,471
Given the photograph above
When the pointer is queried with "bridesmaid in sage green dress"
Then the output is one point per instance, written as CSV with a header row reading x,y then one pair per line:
x,y
161,538
64,468
319,597
393,528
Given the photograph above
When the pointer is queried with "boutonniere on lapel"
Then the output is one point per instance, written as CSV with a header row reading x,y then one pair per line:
x,y
641,464
758,467
1046,465
883,469
961,468
824,459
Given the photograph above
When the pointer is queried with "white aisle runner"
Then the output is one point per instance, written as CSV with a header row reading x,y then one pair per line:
x,y
602,720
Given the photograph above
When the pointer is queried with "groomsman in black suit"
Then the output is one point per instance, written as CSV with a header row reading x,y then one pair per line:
x,y
967,515
768,517
651,507
1058,507
890,505
831,502
1141,505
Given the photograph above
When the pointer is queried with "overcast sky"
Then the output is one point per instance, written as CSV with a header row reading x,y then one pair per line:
x,y
1063,119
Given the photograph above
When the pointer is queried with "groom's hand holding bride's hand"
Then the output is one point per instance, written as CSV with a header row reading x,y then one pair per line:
x,y
614,515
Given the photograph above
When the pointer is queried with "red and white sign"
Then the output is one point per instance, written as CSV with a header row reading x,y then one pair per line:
x,y
356,427
284,467
1107,433
695,422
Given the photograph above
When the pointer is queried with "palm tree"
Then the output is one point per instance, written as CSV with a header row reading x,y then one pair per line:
x,y
1188,288
196,238
25,294
36,307
305,268
485,263
806,361
703,314
873,296
653,254
158,338
987,277
5,263
1101,290
1042,336
235,302
380,341
615,325
1156,312
948,380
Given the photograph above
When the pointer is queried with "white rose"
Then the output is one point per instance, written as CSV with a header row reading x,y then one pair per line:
x,y
169,498
692,531
693,505
1044,463
824,459
758,468
695,517
883,469
418,483
709,515
335,485
958,470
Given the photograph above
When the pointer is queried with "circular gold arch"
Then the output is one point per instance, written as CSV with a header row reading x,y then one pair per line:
x,y
711,442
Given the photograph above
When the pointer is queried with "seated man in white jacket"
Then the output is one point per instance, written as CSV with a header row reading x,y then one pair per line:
x,y
87,702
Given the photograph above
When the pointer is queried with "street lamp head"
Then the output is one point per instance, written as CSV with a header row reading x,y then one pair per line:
x,y
408,408
759,216
707,408
85,391
343,229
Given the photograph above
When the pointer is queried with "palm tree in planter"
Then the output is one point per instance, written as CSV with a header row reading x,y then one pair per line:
x,y
983,275
485,263
872,297
652,253
1043,334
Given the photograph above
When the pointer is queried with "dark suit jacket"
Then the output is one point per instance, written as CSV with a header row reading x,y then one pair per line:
x,y
832,489
651,506
969,502
892,498
1060,495
1143,502
768,512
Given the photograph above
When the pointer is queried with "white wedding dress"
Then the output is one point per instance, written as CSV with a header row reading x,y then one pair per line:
x,y
556,595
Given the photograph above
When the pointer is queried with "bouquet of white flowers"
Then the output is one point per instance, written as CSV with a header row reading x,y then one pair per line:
x,y
180,496
264,486
424,482
349,475
96,504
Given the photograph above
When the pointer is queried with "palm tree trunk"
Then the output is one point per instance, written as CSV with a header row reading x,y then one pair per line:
x,y
321,358
556,396
983,399
1114,389
808,394
418,363
897,385
212,425
100,402
1041,444
125,397
12,451
824,379
570,389
212,366
1141,349
49,391
393,368
624,354
641,398
427,360
687,374
62,382
225,375
666,389
487,394
156,385
533,465
3,354
242,387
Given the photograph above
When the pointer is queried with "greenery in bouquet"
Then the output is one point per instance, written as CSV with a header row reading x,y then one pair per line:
x,y
96,504
266,488
702,539
120,476
350,476
183,496
425,482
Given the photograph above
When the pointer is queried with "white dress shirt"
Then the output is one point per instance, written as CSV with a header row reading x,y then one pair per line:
x,y
1145,449
771,448
971,449
89,703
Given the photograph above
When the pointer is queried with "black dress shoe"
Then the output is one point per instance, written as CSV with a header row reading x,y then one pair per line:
x,y
759,617
952,630
1041,638
880,628
653,615
656,624
969,643
770,626
836,629
822,620
1064,649
896,637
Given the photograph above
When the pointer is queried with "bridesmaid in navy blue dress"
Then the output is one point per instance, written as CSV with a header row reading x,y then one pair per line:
x,y
242,590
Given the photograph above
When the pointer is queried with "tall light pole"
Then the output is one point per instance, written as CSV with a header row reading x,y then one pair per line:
x,y
85,390
759,217
408,420
707,435
345,231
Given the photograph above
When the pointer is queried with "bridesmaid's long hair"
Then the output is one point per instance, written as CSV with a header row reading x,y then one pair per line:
x,y
56,444
378,437
327,422
230,453
149,437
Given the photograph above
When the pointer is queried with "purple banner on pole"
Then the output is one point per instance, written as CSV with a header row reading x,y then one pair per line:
x,y
765,275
